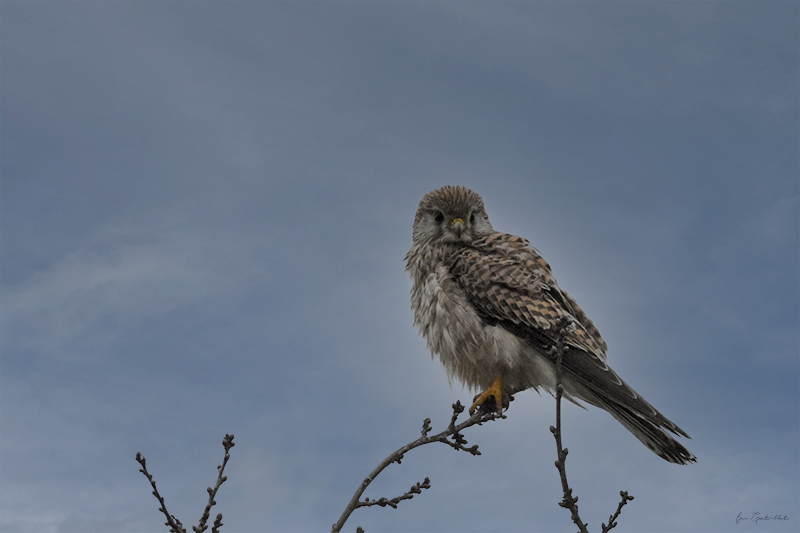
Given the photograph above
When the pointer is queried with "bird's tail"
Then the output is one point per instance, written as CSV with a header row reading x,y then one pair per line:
x,y
650,431
600,386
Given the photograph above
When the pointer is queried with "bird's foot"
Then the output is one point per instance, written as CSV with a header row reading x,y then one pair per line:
x,y
495,392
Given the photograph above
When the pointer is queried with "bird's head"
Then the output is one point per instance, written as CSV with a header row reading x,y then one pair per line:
x,y
451,214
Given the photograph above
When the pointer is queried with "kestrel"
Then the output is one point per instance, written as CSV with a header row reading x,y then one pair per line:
x,y
487,304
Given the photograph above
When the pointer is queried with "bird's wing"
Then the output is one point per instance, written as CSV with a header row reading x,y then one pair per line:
x,y
508,281
511,285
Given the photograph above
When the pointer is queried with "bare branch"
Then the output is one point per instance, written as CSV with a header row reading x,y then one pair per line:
x,y
485,414
174,524
228,443
568,502
612,519
217,524
383,502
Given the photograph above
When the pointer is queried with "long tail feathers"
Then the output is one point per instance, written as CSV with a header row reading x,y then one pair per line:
x,y
652,435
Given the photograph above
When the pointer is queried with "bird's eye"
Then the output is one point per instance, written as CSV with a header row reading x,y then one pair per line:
x,y
472,218
438,217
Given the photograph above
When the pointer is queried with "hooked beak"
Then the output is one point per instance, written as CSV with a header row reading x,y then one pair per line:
x,y
457,225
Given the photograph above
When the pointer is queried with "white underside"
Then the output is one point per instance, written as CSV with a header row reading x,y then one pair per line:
x,y
473,352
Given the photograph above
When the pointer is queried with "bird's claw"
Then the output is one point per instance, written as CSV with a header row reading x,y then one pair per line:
x,y
495,393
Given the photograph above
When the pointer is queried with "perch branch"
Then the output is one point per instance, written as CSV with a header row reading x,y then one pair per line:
x,y
485,414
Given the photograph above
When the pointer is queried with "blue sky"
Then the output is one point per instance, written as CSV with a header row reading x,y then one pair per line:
x,y
205,209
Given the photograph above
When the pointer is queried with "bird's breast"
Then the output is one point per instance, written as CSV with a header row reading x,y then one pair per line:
x,y
470,350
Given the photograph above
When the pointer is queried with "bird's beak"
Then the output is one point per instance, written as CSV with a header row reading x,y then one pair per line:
x,y
457,225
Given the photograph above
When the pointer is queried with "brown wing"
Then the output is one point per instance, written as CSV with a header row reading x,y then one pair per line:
x,y
507,280
511,285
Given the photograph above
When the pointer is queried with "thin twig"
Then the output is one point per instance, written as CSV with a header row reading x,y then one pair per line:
x,y
612,519
217,524
174,524
228,443
569,501
383,502
484,414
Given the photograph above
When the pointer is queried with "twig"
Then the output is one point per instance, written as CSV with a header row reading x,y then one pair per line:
x,y
485,414
569,501
217,524
612,519
227,442
383,502
174,524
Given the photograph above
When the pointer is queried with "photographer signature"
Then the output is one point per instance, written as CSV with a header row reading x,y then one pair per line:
x,y
756,517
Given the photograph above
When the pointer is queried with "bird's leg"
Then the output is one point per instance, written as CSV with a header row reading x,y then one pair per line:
x,y
495,391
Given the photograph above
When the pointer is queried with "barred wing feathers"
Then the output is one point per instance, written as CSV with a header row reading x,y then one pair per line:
x,y
512,286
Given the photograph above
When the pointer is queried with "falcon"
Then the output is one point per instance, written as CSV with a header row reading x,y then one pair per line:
x,y
489,307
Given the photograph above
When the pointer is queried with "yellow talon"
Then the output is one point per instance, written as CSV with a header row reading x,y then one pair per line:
x,y
495,391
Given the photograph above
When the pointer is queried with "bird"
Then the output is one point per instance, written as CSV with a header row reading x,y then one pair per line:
x,y
489,307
